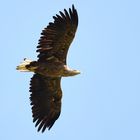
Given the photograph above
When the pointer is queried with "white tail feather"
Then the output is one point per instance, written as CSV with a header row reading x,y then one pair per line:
x,y
22,65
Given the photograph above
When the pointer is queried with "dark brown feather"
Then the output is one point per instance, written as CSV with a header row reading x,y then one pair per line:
x,y
45,100
58,36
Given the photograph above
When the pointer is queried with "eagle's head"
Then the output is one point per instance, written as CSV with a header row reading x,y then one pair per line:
x,y
73,72
69,72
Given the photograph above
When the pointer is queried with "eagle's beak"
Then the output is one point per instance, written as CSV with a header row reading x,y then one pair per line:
x,y
77,72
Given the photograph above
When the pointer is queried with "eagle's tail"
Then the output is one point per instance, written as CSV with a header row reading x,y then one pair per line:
x,y
23,65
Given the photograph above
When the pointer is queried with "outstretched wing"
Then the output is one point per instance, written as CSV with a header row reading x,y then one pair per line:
x,y
45,100
57,36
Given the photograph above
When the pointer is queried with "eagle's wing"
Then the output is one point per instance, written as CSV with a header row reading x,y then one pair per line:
x,y
45,100
58,35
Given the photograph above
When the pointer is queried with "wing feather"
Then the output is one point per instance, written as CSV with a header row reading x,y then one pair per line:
x,y
45,101
58,35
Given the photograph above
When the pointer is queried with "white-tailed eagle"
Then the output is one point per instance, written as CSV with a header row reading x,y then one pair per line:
x,y
51,65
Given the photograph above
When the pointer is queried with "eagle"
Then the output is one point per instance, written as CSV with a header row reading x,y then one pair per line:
x,y
50,67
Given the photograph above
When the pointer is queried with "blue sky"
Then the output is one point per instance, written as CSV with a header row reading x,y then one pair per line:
x,y
103,103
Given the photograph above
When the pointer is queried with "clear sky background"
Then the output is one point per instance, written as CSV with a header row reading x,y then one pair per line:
x,y
103,103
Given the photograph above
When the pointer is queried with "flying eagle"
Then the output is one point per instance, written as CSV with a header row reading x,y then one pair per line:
x,y
51,65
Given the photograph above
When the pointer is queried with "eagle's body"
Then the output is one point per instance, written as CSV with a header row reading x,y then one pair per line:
x,y
45,86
